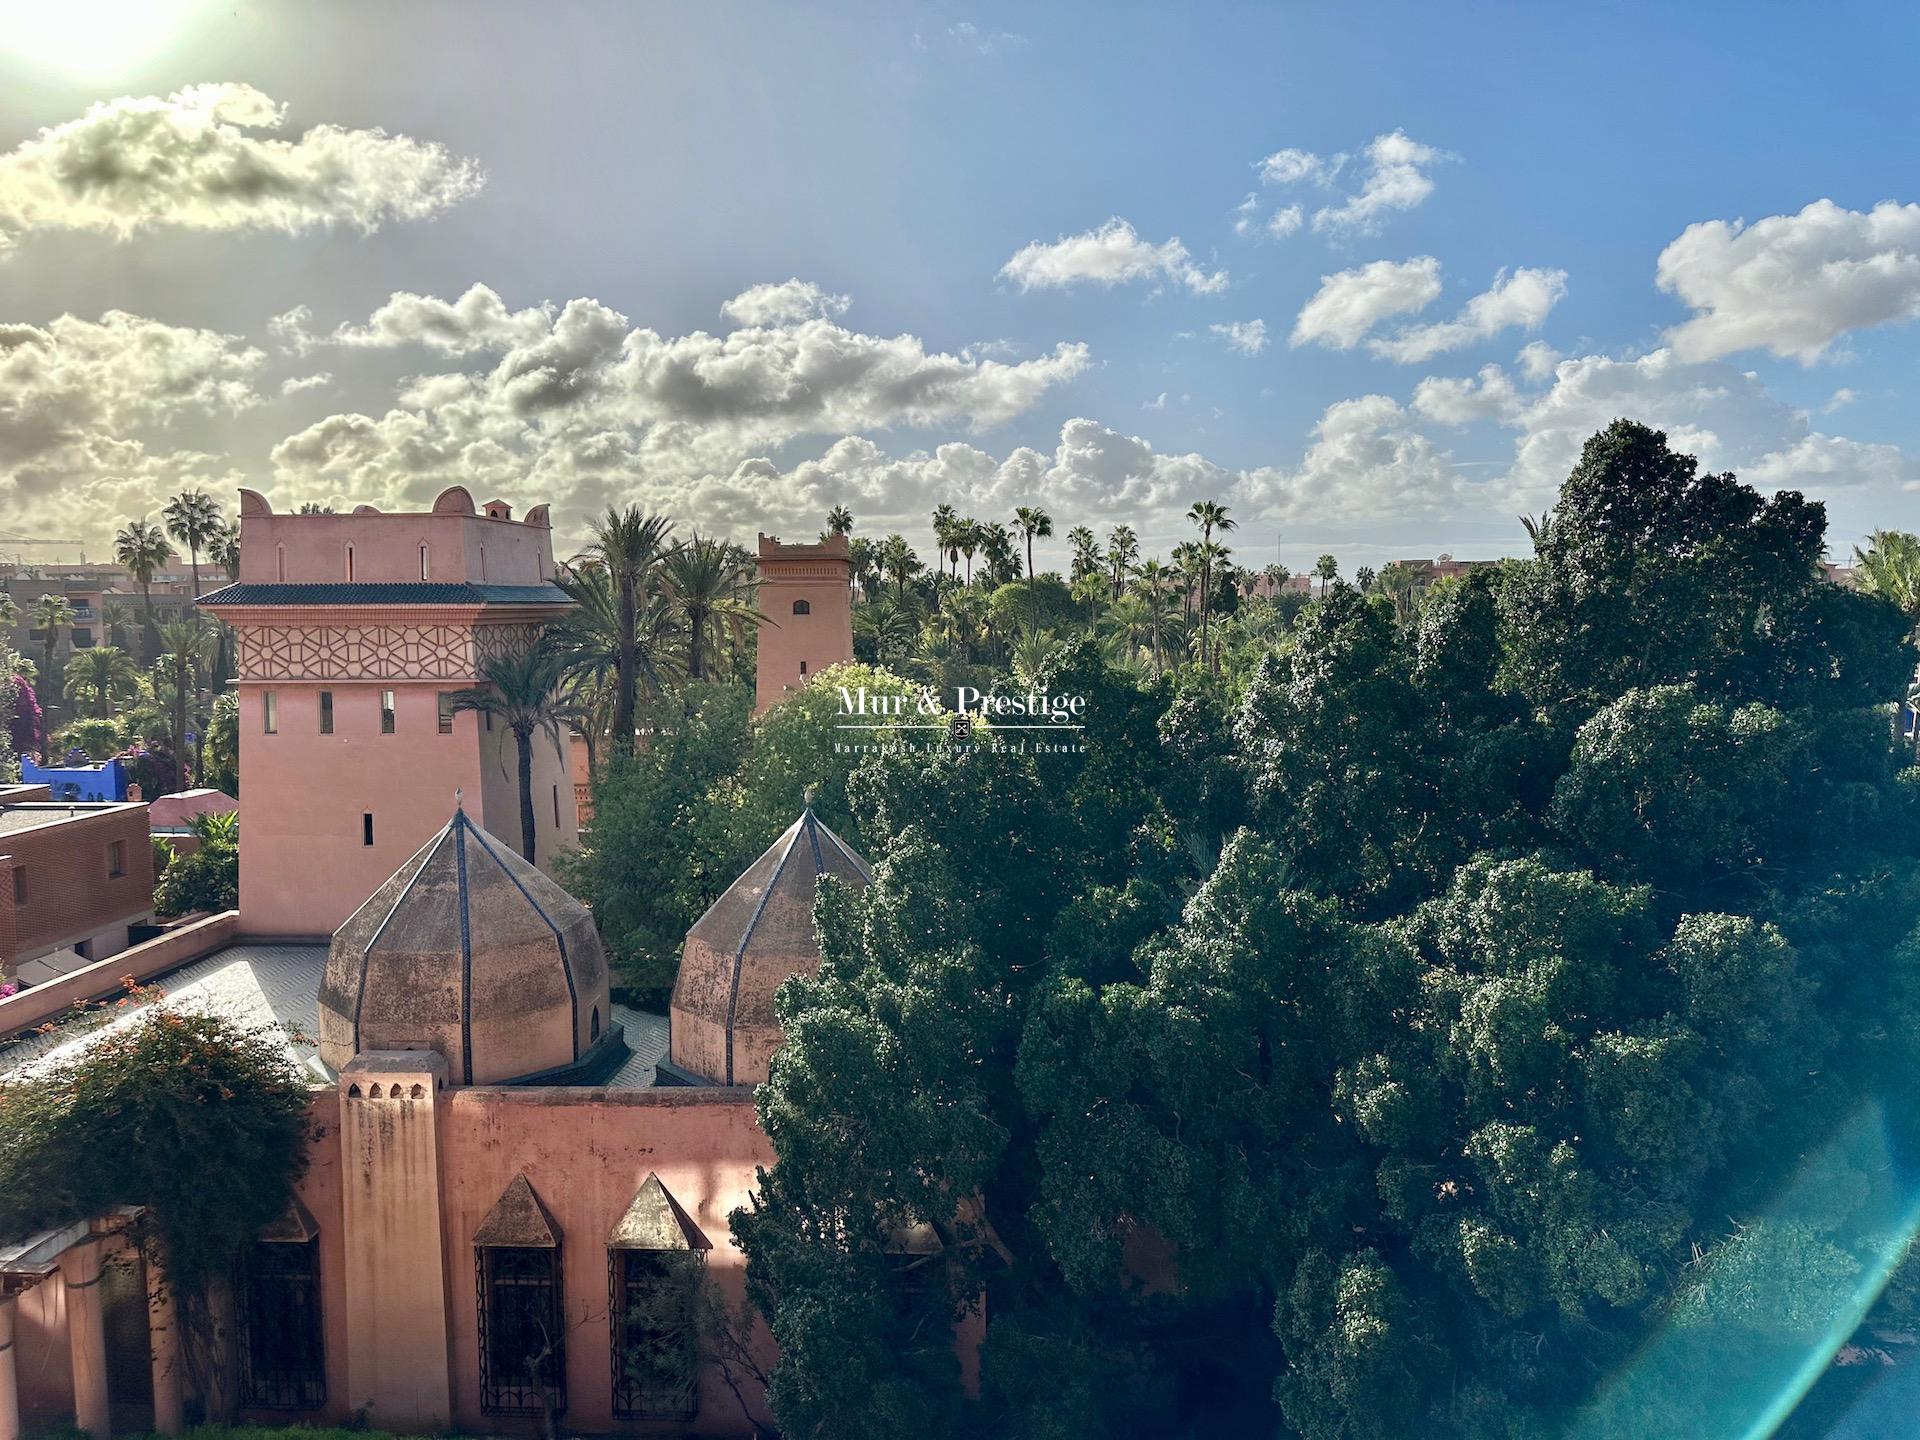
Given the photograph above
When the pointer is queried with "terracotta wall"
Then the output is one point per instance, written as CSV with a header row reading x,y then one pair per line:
x,y
297,549
70,895
792,648
585,1154
103,979
304,868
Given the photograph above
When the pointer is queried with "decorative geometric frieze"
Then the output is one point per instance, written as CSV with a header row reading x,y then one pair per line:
x,y
374,652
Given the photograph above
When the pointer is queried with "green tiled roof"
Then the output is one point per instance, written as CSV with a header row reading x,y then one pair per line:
x,y
415,592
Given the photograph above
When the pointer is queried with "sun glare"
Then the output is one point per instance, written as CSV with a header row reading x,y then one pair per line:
x,y
90,37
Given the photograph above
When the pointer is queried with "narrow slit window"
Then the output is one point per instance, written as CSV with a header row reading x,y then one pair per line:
x,y
349,562
423,562
556,807
386,712
116,859
270,712
326,712
366,828
446,712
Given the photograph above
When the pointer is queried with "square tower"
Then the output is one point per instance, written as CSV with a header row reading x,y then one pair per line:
x,y
806,593
353,634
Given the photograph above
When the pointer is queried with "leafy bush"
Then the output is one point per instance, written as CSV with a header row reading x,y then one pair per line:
x,y
209,878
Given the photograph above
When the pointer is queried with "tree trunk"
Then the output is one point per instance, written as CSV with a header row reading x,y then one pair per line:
x,y
523,743
148,635
624,679
194,551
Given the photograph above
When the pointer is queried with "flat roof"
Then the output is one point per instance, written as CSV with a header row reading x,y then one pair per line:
x,y
28,814
263,986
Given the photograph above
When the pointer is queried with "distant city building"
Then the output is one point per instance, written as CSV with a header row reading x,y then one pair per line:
x,y
806,593
76,880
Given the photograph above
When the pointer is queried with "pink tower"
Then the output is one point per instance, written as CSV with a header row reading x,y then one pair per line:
x,y
353,634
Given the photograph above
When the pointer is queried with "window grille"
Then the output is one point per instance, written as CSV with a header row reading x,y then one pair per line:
x,y
653,1305
282,1362
523,1362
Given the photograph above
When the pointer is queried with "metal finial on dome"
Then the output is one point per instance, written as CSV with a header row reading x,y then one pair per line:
x,y
459,801
808,795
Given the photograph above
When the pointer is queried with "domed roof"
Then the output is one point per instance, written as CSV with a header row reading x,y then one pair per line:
x,y
750,940
470,951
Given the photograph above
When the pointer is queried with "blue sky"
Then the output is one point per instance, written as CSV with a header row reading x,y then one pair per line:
x,y
650,162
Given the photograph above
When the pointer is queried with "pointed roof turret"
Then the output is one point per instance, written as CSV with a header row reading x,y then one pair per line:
x,y
470,951
750,940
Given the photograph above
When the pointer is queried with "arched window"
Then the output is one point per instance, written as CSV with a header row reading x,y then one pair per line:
x,y
802,607
423,562
594,1033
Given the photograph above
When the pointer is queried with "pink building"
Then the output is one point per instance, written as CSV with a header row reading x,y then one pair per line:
x,y
354,633
806,593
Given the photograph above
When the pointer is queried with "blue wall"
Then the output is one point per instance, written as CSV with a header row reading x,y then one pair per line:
x,y
107,781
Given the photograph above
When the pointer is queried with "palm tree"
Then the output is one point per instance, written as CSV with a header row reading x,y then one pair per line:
x,y
143,549
193,519
996,549
1209,515
886,625
1328,569
113,622
839,521
100,674
960,622
223,548
1031,521
865,555
51,615
587,639
1123,548
1087,559
709,582
969,536
629,543
944,523
1540,528
899,564
1890,568
189,643
522,688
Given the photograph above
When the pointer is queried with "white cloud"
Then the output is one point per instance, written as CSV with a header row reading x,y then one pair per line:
x,y
1520,300
1246,213
1490,395
969,36
1111,255
591,402
1395,179
1249,337
1349,303
1368,463
785,303
1792,284
1159,402
88,410
1291,167
1839,400
300,384
1285,221
477,322
196,160
1537,359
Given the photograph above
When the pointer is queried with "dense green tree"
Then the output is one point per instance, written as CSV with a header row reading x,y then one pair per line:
x,y
1575,915
521,688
